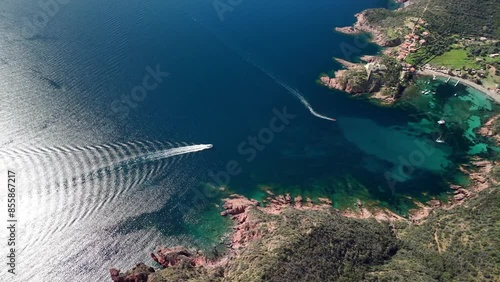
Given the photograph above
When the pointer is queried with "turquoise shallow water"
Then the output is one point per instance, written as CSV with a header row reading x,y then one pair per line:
x,y
463,108
65,88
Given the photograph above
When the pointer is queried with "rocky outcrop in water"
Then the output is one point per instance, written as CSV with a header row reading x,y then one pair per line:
x,y
490,129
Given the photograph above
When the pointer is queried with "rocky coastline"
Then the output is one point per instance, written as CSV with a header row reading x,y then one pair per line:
x,y
363,26
249,227
489,129
398,48
369,76
246,214
481,178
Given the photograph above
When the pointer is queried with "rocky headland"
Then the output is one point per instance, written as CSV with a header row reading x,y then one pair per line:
x,y
411,38
362,25
361,79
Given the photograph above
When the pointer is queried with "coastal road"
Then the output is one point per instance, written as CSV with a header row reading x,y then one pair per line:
x,y
494,96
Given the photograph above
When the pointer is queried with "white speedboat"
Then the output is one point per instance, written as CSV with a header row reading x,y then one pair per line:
x,y
441,121
439,140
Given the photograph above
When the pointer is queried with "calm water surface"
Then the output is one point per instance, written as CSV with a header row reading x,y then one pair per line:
x,y
106,172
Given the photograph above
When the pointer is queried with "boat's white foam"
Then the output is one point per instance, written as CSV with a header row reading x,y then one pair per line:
x,y
177,151
246,56
297,94
72,184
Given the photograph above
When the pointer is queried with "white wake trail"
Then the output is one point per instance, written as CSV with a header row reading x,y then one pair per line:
x,y
249,60
176,151
296,93
159,155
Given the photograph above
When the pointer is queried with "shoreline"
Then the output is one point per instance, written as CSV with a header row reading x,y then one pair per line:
x,y
249,227
254,221
396,49
362,26
490,94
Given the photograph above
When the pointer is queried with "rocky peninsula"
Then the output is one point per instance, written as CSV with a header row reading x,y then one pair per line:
x,y
362,25
413,45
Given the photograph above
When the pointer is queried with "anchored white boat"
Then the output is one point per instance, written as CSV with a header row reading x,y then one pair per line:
x,y
441,121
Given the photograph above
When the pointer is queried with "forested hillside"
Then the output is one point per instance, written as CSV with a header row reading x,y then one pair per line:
x,y
460,244
464,17
447,17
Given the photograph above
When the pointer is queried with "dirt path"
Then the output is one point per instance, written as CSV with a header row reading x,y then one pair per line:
x,y
437,241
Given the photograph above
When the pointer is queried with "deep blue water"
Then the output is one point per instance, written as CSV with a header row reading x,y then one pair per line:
x,y
63,84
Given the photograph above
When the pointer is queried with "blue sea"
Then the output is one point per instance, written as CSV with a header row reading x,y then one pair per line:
x,y
127,122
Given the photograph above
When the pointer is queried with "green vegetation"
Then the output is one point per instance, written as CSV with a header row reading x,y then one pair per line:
x,y
315,246
186,272
391,76
437,46
356,78
485,49
447,21
385,73
456,58
462,17
386,18
393,22
459,244
378,16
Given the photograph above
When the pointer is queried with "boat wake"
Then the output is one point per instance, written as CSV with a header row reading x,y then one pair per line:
x,y
73,184
246,57
295,93
156,156
72,193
